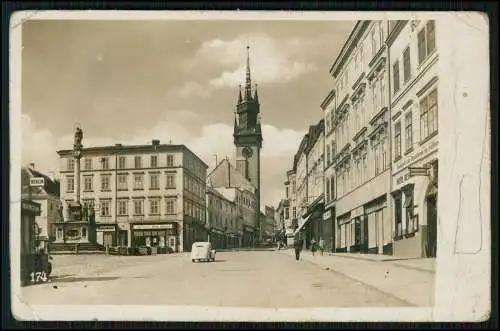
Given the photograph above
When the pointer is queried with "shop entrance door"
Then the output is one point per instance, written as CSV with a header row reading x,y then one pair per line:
x,y
431,225
108,239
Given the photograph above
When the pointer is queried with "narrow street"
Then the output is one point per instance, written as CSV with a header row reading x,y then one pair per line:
x,y
265,279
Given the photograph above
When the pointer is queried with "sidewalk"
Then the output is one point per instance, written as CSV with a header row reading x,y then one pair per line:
x,y
409,281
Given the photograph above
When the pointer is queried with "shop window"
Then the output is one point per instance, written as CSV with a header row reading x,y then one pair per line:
x,y
411,219
84,232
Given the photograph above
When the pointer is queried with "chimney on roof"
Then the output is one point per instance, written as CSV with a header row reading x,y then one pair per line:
x,y
156,142
32,165
118,145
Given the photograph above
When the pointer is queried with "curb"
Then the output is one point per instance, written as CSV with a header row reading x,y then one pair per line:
x,y
411,304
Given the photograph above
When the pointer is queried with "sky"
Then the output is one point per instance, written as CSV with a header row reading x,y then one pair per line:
x,y
131,82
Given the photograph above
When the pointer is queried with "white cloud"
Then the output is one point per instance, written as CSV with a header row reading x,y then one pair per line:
x,y
279,146
191,89
272,61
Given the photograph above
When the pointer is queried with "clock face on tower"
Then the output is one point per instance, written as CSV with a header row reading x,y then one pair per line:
x,y
247,152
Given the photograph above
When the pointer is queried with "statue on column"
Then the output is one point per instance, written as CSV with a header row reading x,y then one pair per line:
x,y
78,137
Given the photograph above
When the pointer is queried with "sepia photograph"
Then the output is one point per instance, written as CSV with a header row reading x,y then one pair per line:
x,y
250,166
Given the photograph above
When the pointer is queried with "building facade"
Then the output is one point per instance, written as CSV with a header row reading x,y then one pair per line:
x,y
144,195
222,220
314,152
414,119
47,196
328,106
361,141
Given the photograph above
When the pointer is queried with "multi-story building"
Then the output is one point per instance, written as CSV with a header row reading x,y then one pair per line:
x,y
314,152
328,106
308,162
142,195
290,219
269,225
283,210
47,195
235,187
222,220
361,139
414,120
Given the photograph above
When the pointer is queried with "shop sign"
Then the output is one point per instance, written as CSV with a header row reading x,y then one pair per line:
x,y
403,178
430,148
106,228
32,207
153,226
37,181
327,215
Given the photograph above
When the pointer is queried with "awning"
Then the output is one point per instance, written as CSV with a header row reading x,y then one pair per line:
x,y
303,225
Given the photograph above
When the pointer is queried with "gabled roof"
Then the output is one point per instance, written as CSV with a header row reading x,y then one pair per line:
x,y
226,175
50,187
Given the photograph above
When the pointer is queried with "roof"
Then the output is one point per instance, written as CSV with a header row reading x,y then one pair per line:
x,y
226,175
133,148
213,191
51,187
348,47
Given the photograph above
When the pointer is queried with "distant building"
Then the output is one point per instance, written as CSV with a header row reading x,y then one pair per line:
x,y
227,180
142,195
269,225
310,187
224,230
414,124
47,196
282,219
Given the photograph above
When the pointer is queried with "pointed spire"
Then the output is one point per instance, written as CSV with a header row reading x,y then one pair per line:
x,y
240,99
256,96
248,82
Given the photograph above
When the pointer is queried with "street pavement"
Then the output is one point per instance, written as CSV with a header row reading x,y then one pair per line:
x,y
265,279
411,280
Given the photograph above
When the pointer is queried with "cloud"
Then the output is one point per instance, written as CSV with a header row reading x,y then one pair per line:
x,y
191,89
279,146
272,60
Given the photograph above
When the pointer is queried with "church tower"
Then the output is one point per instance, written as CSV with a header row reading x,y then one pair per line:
x,y
247,132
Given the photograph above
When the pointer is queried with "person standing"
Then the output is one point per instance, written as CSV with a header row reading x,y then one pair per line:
x,y
313,246
297,245
321,245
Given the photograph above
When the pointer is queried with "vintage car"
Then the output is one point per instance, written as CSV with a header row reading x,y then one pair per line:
x,y
202,251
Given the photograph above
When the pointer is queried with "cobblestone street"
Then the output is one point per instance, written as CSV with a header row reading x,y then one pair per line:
x,y
264,279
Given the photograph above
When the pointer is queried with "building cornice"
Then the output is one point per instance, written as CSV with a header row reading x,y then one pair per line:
x,y
328,99
394,33
349,45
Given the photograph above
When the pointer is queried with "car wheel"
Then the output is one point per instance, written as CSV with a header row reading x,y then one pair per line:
x,y
193,260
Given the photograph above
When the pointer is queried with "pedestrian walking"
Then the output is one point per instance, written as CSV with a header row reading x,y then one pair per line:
x,y
322,245
313,246
297,245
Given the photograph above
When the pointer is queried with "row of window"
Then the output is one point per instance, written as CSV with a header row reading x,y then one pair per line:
x,y
122,164
376,42
195,210
287,212
426,43
428,124
155,205
122,182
